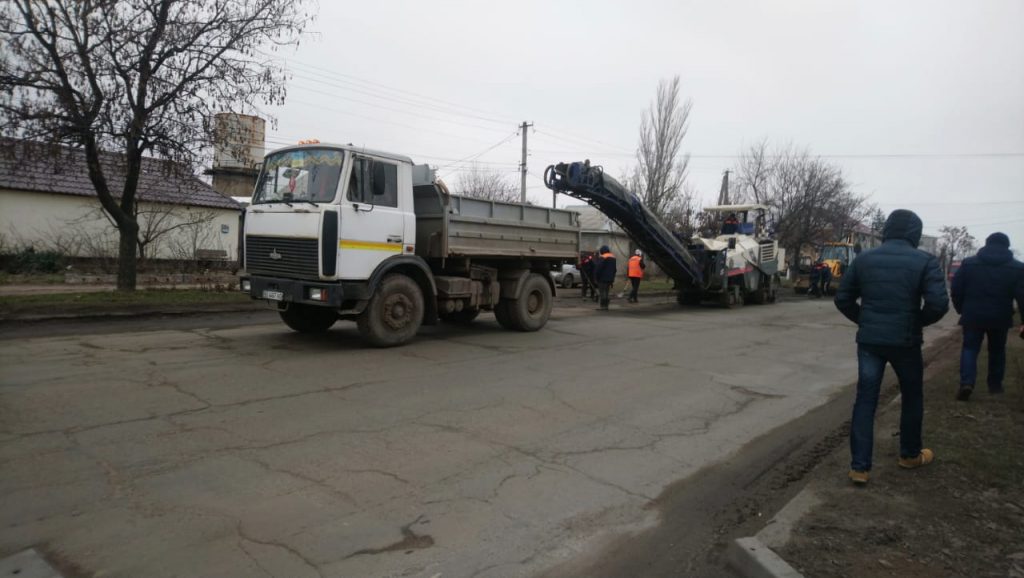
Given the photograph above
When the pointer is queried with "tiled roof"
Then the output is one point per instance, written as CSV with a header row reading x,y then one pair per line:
x,y
55,169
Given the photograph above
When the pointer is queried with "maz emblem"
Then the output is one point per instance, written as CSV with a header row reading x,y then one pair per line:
x,y
275,255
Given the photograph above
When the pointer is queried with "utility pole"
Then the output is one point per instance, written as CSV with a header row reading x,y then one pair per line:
x,y
522,165
723,195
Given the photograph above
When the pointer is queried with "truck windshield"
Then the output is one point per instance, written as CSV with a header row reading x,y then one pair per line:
x,y
307,175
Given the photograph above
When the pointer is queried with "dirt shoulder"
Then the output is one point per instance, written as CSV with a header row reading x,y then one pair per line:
x,y
963,515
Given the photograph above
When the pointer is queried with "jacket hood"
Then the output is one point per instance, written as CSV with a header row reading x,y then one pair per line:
x,y
996,250
903,224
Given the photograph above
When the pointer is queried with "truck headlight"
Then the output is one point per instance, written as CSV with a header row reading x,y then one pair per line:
x,y
246,286
316,294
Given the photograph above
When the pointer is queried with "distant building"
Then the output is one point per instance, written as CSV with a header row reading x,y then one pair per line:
x,y
48,202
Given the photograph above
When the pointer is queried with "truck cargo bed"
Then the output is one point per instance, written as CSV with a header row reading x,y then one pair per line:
x,y
455,226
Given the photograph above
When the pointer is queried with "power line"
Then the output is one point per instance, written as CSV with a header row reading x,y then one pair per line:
x,y
385,121
398,110
340,76
951,203
481,153
827,156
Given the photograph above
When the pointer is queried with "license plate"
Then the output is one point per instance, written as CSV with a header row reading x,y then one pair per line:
x,y
273,295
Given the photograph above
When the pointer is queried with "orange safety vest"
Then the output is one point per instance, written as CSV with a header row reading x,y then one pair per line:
x,y
634,267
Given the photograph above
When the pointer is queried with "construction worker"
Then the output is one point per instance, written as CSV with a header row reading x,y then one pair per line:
x,y
604,275
814,289
826,279
731,225
587,273
635,272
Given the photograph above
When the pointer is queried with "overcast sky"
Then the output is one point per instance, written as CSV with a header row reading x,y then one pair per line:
x,y
920,103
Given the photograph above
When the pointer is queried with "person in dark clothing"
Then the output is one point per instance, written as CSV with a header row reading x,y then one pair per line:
x,y
983,291
826,279
890,283
814,288
587,273
730,225
604,274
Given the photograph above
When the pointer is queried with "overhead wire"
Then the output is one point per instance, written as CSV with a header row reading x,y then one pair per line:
x,y
439,104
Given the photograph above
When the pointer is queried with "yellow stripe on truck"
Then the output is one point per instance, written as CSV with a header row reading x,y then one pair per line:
x,y
370,246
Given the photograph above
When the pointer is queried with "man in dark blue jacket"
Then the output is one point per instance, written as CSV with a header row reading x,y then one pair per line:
x,y
604,274
891,282
983,291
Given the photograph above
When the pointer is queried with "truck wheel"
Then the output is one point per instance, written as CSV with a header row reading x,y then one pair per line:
x,y
567,281
464,317
394,313
308,318
533,308
502,315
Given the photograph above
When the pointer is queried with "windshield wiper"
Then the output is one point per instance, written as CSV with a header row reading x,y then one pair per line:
x,y
308,201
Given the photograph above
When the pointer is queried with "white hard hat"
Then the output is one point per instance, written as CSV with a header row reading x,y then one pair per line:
x,y
637,252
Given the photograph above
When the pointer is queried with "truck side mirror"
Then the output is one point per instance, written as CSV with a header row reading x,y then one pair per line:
x,y
732,242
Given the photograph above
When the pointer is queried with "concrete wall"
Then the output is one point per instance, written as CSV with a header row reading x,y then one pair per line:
x,y
77,227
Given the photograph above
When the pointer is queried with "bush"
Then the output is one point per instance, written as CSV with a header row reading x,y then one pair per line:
x,y
29,260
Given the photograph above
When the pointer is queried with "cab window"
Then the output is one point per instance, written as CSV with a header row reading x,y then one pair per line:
x,y
373,182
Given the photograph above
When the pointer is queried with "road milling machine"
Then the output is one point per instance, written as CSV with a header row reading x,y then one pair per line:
x,y
740,264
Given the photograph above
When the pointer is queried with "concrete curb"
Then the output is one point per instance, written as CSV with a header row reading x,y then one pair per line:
x,y
27,564
753,556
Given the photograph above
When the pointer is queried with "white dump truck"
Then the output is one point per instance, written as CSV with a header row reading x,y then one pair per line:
x,y
340,232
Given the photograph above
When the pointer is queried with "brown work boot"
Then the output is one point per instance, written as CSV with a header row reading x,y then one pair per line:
x,y
923,459
858,478
964,393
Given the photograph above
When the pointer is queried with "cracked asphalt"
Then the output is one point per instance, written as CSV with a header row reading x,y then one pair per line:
x,y
231,446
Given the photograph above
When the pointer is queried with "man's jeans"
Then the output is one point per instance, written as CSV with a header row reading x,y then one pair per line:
x,y
909,367
996,356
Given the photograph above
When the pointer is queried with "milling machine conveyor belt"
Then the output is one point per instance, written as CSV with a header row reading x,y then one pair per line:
x,y
590,184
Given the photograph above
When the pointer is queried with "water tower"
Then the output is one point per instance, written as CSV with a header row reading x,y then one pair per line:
x,y
238,149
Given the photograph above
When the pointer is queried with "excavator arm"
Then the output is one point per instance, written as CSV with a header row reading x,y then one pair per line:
x,y
590,184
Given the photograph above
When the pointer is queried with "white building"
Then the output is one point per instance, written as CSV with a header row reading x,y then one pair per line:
x,y
48,202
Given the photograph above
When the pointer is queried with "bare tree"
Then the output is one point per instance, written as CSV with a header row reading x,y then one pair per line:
x,y
955,243
809,201
141,78
482,183
877,217
660,173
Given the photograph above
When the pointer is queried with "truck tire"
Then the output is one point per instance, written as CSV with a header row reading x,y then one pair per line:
x,y
464,317
567,281
308,318
501,314
533,308
394,313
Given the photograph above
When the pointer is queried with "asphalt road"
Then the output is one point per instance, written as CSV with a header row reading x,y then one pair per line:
x,y
230,446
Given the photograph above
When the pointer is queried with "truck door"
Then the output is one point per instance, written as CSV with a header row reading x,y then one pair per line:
x,y
372,218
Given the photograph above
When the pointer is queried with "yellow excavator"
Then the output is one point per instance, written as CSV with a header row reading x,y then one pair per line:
x,y
837,255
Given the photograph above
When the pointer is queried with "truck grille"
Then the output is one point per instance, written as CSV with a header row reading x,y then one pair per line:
x,y
767,252
298,257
